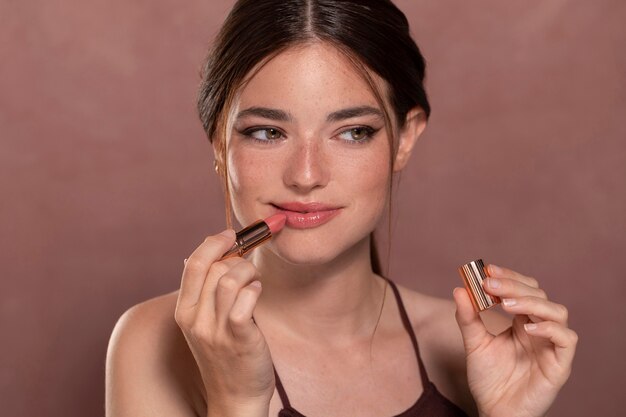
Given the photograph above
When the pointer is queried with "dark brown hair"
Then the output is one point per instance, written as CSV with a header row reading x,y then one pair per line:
x,y
373,34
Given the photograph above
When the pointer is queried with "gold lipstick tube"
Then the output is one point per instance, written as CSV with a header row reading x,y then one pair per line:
x,y
248,239
473,274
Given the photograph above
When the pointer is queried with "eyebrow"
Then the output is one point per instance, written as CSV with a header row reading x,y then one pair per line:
x,y
266,113
353,112
283,116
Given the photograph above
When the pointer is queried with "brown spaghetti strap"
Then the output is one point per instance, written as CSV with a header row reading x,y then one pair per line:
x,y
409,329
279,385
281,391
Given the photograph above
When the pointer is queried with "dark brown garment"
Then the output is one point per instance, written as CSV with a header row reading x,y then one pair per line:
x,y
430,403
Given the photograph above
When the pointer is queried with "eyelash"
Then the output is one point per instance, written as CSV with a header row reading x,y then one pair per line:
x,y
249,134
369,134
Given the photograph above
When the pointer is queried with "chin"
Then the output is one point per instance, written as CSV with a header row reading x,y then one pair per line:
x,y
309,252
302,256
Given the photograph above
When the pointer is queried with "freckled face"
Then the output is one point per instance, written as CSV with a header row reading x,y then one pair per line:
x,y
309,141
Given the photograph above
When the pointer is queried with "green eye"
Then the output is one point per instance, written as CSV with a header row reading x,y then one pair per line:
x,y
357,134
272,134
265,134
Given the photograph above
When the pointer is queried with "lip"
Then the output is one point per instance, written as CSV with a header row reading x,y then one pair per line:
x,y
306,215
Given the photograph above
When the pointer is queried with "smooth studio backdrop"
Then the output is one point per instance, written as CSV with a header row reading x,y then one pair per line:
x,y
107,182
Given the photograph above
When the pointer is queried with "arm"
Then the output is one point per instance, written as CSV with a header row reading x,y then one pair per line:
x,y
169,354
141,378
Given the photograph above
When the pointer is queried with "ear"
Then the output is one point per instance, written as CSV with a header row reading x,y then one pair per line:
x,y
217,156
216,151
414,125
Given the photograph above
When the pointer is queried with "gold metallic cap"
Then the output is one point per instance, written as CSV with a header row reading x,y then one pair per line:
x,y
473,274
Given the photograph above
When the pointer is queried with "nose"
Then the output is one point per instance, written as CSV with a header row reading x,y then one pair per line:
x,y
307,167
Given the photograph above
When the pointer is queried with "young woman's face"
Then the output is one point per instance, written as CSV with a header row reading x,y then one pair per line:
x,y
309,141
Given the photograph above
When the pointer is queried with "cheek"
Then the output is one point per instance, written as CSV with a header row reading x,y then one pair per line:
x,y
370,167
375,186
246,176
245,171
253,175
367,180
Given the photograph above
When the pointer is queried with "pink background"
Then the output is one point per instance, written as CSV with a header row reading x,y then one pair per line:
x,y
107,180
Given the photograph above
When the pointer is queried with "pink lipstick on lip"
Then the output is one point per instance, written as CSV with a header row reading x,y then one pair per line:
x,y
306,215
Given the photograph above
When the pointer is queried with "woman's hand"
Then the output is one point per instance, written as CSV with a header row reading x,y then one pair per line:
x,y
520,371
214,311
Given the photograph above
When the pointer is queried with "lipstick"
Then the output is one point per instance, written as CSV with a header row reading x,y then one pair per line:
x,y
254,235
473,274
307,215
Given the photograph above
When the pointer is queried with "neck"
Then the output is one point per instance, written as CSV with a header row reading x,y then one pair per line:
x,y
337,302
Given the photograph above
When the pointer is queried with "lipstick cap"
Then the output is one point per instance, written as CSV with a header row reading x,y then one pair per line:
x,y
473,274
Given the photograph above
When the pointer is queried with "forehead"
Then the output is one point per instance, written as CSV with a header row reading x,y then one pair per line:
x,y
310,75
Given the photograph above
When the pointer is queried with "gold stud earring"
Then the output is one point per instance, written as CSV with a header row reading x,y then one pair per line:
x,y
216,166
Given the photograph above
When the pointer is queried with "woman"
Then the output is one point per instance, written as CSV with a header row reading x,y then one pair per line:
x,y
311,107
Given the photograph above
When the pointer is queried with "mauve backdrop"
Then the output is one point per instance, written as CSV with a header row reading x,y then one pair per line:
x,y
107,180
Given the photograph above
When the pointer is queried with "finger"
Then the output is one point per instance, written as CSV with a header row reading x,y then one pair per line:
x,y
563,339
473,329
228,287
198,264
501,272
511,288
206,307
240,318
539,309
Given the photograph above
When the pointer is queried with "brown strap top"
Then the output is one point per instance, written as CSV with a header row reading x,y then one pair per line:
x,y
430,403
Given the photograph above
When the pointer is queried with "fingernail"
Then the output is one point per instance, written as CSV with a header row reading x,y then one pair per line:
x,y
509,302
496,270
226,233
256,283
530,327
493,283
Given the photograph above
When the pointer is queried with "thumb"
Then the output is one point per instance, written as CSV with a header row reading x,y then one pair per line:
x,y
472,327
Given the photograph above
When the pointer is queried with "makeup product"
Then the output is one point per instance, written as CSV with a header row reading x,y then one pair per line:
x,y
473,274
307,215
254,235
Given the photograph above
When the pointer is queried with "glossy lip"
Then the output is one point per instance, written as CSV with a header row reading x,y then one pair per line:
x,y
306,215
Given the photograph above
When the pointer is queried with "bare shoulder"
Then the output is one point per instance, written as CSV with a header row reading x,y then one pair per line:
x,y
149,368
441,345
436,316
144,324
